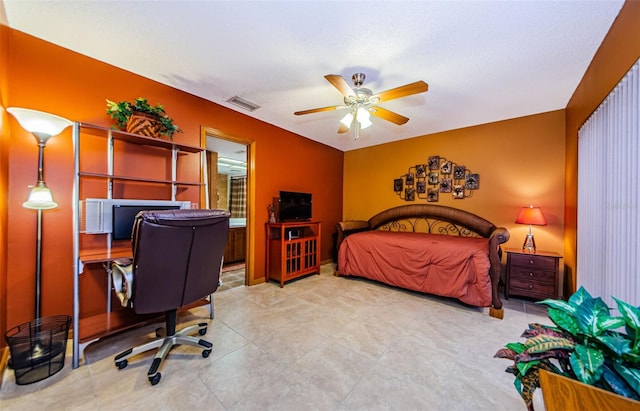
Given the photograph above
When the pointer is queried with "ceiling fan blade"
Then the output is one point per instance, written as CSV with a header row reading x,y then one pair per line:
x,y
385,114
343,129
318,110
341,84
402,91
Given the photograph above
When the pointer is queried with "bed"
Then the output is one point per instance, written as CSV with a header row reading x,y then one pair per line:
x,y
427,248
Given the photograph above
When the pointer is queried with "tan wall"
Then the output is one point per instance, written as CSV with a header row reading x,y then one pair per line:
x,y
617,53
520,162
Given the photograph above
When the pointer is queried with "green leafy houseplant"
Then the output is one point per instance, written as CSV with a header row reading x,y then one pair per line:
x,y
122,111
586,344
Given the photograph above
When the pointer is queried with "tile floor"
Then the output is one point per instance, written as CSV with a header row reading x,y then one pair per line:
x,y
319,343
232,276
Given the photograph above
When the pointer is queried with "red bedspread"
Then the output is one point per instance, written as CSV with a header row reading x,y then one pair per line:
x,y
443,265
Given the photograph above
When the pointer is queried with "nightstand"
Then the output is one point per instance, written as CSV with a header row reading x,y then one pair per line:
x,y
534,275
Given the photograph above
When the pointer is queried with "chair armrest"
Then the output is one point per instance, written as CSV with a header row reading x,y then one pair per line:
x,y
121,271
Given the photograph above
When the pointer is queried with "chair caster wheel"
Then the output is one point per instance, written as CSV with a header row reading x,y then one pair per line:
x,y
122,364
205,353
159,332
202,331
155,379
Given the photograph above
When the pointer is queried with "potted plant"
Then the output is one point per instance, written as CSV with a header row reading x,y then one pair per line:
x,y
140,117
586,344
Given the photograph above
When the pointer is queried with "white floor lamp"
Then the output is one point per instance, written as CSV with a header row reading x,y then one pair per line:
x,y
43,126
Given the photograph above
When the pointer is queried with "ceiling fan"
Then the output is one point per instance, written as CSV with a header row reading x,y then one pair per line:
x,y
362,102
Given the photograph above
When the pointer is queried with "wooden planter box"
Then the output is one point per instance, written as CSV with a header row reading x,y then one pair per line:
x,y
564,394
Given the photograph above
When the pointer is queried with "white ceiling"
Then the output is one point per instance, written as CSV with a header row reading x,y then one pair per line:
x,y
484,61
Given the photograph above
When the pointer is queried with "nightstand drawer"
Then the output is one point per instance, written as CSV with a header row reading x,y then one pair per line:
x,y
532,260
531,289
532,275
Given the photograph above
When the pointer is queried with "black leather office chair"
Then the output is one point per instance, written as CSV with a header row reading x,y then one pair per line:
x,y
177,259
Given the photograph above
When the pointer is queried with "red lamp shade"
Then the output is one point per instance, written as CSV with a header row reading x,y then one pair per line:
x,y
531,215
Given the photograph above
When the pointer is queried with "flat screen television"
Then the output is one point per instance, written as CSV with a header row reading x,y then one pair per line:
x,y
294,206
124,215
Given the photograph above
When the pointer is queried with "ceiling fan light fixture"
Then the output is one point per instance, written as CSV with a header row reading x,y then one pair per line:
x,y
363,117
347,120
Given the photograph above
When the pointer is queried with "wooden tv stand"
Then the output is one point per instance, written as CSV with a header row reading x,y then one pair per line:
x,y
293,250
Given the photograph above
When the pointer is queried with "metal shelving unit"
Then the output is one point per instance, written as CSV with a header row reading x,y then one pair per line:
x,y
91,328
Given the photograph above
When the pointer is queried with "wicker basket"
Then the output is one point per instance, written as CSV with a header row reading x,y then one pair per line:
x,y
143,123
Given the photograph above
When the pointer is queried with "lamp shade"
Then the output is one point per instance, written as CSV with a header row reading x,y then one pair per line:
x,y
363,118
531,215
38,121
347,120
40,198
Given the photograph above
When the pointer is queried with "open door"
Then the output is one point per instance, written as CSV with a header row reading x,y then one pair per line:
x,y
230,187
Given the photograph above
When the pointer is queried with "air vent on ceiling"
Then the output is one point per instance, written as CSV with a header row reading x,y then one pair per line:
x,y
243,103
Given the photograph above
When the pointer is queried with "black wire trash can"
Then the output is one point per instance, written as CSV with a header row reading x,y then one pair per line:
x,y
38,348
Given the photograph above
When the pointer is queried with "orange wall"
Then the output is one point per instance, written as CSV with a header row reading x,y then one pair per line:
x,y
75,86
617,53
4,168
520,162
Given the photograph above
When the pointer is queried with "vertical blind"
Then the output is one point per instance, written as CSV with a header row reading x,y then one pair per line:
x,y
608,259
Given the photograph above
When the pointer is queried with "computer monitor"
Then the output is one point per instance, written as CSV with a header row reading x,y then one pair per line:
x,y
124,216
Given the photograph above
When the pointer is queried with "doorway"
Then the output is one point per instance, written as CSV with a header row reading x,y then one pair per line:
x,y
230,184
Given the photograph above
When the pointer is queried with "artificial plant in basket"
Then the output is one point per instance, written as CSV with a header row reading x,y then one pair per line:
x,y
586,344
122,112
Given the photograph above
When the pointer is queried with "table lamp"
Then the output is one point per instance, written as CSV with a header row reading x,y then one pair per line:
x,y
533,216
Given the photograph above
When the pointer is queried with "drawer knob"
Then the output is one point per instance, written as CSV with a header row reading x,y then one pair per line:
x,y
530,274
531,261
530,287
